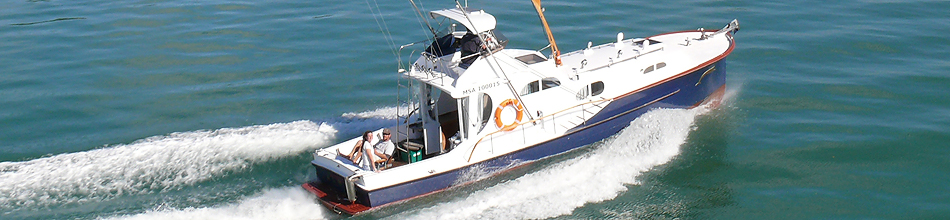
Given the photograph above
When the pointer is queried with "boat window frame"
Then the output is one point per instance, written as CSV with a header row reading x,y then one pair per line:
x,y
530,59
597,90
466,118
486,110
531,87
590,90
654,67
547,82
648,69
540,85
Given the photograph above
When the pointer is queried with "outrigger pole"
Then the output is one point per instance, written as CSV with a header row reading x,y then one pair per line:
x,y
436,35
555,52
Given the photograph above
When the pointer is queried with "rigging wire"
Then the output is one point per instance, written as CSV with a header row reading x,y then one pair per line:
x,y
422,17
383,27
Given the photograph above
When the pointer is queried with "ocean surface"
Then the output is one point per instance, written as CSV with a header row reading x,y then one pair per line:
x,y
169,109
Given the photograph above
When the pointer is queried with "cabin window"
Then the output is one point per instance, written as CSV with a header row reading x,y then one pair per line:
x,y
597,88
531,59
531,88
593,89
535,86
654,67
485,103
548,83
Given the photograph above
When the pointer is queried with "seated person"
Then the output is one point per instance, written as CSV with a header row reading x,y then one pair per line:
x,y
362,155
384,149
442,46
470,44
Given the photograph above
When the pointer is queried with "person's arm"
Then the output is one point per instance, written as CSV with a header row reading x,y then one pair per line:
x,y
381,155
353,156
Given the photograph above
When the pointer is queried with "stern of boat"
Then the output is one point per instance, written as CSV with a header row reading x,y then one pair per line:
x,y
336,182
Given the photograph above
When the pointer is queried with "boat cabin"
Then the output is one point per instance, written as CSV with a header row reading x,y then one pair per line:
x,y
452,85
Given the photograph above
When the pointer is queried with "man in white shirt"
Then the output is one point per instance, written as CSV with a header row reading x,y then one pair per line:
x,y
384,149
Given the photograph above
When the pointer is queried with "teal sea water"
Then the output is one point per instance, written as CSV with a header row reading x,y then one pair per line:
x,y
164,109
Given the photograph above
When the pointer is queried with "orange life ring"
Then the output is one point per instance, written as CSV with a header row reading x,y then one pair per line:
x,y
520,113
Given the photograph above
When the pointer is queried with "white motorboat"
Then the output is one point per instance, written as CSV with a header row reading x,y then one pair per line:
x,y
477,105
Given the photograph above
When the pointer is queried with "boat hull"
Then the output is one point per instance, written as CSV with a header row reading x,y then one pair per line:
x,y
705,83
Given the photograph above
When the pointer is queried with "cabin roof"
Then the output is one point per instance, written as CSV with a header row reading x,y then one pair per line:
x,y
481,21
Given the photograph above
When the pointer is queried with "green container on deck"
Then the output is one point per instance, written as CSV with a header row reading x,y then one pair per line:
x,y
411,156
413,152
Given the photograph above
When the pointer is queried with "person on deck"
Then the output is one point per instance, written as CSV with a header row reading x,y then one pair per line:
x,y
362,155
470,44
384,149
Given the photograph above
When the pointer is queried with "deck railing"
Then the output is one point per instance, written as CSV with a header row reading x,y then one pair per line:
x,y
561,113
553,117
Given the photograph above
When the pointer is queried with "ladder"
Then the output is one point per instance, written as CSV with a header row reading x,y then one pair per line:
x,y
404,106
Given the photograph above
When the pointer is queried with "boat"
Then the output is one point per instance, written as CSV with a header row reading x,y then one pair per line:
x,y
472,105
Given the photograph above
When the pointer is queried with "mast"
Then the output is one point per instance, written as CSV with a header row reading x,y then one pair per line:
x,y
555,52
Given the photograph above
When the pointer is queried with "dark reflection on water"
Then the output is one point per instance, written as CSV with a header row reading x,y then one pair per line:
x,y
47,21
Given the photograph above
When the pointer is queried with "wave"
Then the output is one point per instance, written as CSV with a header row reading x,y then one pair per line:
x,y
389,112
278,203
555,190
165,163
155,164
603,174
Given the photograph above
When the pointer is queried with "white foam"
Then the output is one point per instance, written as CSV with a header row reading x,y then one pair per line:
x,y
281,203
732,93
169,162
389,112
155,164
650,140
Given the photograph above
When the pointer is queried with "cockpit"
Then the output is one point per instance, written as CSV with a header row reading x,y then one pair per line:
x,y
469,32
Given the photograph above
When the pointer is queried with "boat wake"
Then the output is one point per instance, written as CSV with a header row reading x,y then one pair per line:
x,y
357,123
279,203
291,202
170,162
604,173
555,190
152,165
380,113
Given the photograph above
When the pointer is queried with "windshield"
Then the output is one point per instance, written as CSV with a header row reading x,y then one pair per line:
x,y
452,28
